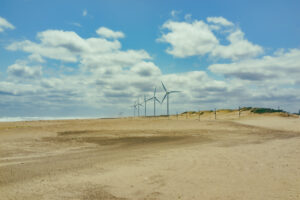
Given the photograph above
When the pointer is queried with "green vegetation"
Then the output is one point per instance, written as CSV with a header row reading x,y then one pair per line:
x,y
265,110
189,112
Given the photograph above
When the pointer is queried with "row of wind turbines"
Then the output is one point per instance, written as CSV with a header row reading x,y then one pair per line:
x,y
137,104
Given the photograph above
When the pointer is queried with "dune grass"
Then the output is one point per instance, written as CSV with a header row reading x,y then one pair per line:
x,y
251,109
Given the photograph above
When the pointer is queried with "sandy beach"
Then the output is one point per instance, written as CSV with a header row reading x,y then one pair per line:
x,y
251,157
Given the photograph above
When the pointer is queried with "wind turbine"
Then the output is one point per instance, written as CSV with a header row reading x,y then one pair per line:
x,y
167,95
138,106
134,108
145,102
154,101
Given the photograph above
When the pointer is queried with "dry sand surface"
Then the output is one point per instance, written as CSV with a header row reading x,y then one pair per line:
x,y
252,157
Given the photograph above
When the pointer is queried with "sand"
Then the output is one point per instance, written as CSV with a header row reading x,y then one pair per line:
x,y
252,157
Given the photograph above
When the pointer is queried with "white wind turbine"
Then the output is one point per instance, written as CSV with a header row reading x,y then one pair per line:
x,y
154,101
145,102
167,95
138,106
134,108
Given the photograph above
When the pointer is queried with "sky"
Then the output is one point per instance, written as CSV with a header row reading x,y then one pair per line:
x,y
97,58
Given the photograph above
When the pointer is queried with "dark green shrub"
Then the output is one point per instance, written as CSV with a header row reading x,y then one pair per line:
x,y
265,110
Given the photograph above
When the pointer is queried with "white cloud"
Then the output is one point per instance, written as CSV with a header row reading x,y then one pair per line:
x,y
146,69
36,58
188,17
197,38
108,33
50,52
4,24
24,72
281,68
174,13
84,12
188,39
219,20
113,60
238,48
92,54
64,45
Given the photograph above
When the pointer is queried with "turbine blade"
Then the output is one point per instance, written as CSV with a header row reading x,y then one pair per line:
x,y
150,99
164,97
164,86
154,91
174,91
157,100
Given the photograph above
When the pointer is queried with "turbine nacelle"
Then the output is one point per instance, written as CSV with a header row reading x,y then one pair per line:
x,y
167,96
167,92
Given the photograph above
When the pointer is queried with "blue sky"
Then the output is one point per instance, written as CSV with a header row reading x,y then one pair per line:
x,y
219,53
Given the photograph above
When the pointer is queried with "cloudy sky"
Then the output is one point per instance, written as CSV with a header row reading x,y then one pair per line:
x,y
95,58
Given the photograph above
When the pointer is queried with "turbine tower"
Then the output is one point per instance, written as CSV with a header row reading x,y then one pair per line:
x,y
145,102
134,108
138,106
154,101
167,95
